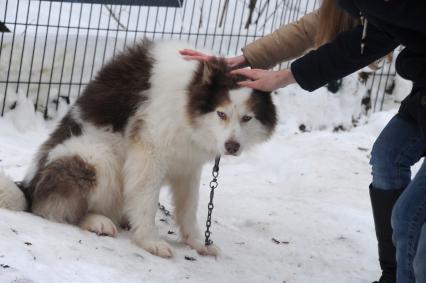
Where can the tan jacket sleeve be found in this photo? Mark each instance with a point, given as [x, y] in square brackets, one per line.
[287, 42]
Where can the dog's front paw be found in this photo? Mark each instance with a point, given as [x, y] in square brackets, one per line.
[99, 224]
[157, 247]
[201, 248]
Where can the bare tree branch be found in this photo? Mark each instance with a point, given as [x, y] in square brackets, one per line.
[252, 5]
[111, 12]
[200, 21]
[270, 16]
[261, 11]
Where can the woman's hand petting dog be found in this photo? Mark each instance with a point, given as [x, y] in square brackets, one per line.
[259, 79]
[232, 62]
[265, 80]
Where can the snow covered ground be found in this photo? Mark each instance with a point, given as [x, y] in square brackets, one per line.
[295, 209]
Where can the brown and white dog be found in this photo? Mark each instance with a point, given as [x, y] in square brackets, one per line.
[148, 119]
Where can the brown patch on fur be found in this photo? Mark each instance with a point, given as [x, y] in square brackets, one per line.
[62, 189]
[66, 129]
[263, 108]
[210, 87]
[116, 92]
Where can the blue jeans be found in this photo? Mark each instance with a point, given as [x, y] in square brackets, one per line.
[420, 259]
[398, 147]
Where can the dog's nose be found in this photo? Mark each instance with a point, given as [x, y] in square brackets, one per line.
[232, 147]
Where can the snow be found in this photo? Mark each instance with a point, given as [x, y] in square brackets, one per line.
[308, 191]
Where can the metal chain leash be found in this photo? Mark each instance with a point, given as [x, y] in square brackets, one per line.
[163, 209]
[213, 186]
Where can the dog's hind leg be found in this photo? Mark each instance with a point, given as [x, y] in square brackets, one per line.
[61, 190]
[143, 177]
[185, 187]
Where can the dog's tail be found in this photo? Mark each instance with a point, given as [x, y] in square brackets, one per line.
[11, 196]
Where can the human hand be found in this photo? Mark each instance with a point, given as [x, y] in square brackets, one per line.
[232, 62]
[265, 80]
[189, 54]
[237, 62]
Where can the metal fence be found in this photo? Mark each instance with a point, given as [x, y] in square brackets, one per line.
[55, 47]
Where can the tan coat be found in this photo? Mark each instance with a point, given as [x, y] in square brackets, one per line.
[288, 42]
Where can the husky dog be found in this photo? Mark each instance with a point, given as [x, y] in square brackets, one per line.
[148, 119]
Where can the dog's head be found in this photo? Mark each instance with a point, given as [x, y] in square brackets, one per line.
[226, 118]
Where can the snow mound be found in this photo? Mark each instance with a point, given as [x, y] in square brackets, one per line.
[11, 197]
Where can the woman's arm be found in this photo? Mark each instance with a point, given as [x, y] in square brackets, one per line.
[287, 42]
[331, 61]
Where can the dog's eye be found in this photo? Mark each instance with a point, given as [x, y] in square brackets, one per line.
[221, 115]
[246, 118]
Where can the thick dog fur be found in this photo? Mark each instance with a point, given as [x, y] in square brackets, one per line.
[148, 119]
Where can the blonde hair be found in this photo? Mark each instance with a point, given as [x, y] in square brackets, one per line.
[332, 21]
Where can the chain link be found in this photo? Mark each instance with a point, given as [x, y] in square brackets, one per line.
[163, 209]
[213, 186]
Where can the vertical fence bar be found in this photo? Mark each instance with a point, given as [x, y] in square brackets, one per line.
[63, 60]
[216, 23]
[145, 30]
[191, 22]
[106, 38]
[85, 49]
[32, 56]
[174, 20]
[199, 23]
[239, 29]
[53, 63]
[33, 53]
[75, 53]
[118, 29]
[128, 23]
[95, 48]
[43, 57]
[137, 24]
[182, 19]
[208, 25]
[228, 49]
[164, 23]
[155, 23]
[23, 44]
[225, 16]
[10, 59]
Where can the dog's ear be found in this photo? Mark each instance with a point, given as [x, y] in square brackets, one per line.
[215, 71]
[207, 72]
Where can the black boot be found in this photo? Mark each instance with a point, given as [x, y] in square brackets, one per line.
[382, 202]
